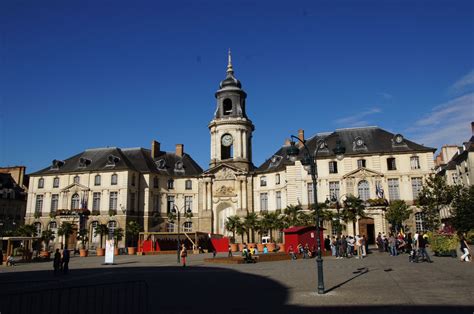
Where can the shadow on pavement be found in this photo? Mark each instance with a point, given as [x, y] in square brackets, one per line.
[115, 289]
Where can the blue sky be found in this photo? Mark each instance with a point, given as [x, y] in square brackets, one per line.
[84, 74]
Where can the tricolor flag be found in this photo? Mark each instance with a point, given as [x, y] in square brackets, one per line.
[379, 190]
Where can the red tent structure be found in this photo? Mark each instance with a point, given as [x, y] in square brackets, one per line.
[303, 235]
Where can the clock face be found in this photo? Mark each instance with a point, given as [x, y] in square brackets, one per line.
[359, 142]
[398, 139]
[227, 140]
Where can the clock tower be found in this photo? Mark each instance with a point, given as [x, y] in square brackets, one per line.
[231, 129]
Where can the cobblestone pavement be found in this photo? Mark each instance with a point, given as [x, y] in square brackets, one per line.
[376, 284]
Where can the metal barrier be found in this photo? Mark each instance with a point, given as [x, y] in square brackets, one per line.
[115, 297]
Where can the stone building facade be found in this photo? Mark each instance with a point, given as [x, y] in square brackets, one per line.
[13, 193]
[116, 185]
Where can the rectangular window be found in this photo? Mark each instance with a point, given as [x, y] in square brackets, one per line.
[156, 203]
[54, 202]
[113, 200]
[156, 182]
[416, 185]
[333, 167]
[97, 180]
[361, 163]
[391, 165]
[393, 190]
[96, 201]
[278, 200]
[419, 222]
[170, 184]
[277, 178]
[40, 183]
[132, 202]
[39, 204]
[56, 183]
[350, 187]
[188, 202]
[113, 179]
[170, 203]
[310, 194]
[263, 181]
[415, 162]
[334, 190]
[263, 201]
[189, 185]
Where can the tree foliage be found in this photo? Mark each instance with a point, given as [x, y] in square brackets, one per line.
[397, 213]
[353, 208]
[462, 209]
[434, 195]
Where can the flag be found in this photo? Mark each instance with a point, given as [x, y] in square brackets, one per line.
[379, 190]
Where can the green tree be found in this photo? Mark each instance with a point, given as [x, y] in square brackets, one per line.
[292, 213]
[27, 230]
[353, 208]
[270, 222]
[133, 229]
[82, 236]
[47, 236]
[434, 195]
[118, 235]
[66, 229]
[240, 229]
[101, 230]
[397, 213]
[231, 225]
[462, 209]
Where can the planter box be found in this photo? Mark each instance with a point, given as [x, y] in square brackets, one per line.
[234, 247]
[131, 250]
[45, 254]
[83, 252]
[100, 252]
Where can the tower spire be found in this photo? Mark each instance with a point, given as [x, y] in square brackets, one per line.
[230, 70]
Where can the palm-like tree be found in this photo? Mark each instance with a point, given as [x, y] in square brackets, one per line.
[270, 222]
[240, 229]
[118, 235]
[101, 230]
[250, 223]
[66, 229]
[353, 209]
[47, 236]
[292, 213]
[231, 224]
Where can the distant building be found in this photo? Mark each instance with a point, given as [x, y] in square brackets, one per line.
[13, 194]
[118, 185]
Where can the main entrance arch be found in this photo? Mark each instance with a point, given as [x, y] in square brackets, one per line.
[367, 228]
[223, 210]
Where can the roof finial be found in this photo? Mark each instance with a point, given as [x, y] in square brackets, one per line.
[229, 64]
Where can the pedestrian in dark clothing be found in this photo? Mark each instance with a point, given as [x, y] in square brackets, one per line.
[422, 243]
[327, 244]
[57, 261]
[230, 251]
[65, 261]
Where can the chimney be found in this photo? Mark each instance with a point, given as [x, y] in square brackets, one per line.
[179, 150]
[472, 127]
[155, 149]
[301, 135]
[287, 142]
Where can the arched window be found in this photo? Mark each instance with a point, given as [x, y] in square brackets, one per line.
[227, 106]
[40, 183]
[188, 226]
[97, 179]
[363, 188]
[113, 179]
[38, 229]
[189, 184]
[75, 202]
[76, 179]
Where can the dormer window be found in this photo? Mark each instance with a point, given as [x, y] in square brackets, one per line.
[112, 160]
[178, 166]
[160, 164]
[76, 180]
[56, 164]
[227, 107]
[275, 161]
[398, 140]
[359, 144]
[84, 162]
[40, 183]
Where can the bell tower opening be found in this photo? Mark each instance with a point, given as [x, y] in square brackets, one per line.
[227, 152]
[227, 107]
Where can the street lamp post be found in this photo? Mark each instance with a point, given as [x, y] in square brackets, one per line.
[309, 163]
[177, 212]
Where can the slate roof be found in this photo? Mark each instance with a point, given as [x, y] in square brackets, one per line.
[137, 159]
[7, 184]
[376, 141]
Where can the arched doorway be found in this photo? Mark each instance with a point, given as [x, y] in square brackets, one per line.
[367, 228]
[223, 211]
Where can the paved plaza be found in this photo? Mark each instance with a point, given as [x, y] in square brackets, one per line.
[156, 284]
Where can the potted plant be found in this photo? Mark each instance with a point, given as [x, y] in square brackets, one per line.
[83, 237]
[46, 237]
[133, 229]
[66, 229]
[101, 230]
[443, 244]
[118, 236]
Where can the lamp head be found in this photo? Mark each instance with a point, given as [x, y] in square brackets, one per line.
[340, 150]
[292, 151]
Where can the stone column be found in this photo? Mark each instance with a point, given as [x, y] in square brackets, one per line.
[244, 195]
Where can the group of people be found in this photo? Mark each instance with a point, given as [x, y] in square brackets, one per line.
[303, 251]
[347, 246]
[61, 261]
[414, 245]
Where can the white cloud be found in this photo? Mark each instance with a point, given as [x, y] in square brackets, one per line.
[358, 119]
[448, 123]
[385, 96]
[463, 84]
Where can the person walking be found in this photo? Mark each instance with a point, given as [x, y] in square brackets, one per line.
[327, 244]
[183, 254]
[65, 261]
[230, 251]
[392, 244]
[422, 243]
[56, 262]
[464, 250]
